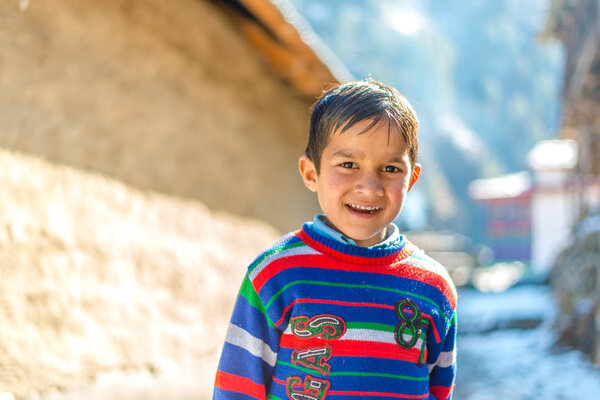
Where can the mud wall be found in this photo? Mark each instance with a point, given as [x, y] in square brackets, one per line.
[125, 280]
[162, 95]
[140, 143]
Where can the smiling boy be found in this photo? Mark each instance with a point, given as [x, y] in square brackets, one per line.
[346, 307]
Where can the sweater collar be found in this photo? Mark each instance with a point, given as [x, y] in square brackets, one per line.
[321, 227]
[394, 250]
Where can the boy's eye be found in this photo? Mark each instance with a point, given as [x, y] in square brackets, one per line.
[391, 168]
[348, 164]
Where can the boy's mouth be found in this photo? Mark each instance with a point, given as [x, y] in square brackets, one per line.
[362, 209]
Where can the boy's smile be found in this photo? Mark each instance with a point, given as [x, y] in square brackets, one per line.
[363, 180]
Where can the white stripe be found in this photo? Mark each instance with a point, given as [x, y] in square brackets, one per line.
[445, 360]
[369, 335]
[239, 337]
[301, 250]
[419, 259]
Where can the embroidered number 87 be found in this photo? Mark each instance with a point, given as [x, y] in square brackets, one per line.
[408, 331]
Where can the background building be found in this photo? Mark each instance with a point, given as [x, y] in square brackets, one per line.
[530, 214]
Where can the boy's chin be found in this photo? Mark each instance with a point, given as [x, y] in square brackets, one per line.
[368, 240]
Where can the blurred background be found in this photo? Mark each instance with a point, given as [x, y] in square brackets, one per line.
[148, 152]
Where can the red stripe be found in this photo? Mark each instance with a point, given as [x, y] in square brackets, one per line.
[352, 304]
[239, 384]
[281, 264]
[441, 392]
[319, 261]
[433, 327]
[355, 348]
[279, 381]
[382, 394]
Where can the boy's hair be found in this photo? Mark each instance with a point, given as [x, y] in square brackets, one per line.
[349, 103]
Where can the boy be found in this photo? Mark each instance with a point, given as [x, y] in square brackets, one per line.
[346, 307]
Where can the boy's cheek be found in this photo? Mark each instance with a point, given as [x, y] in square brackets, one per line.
[337, 183]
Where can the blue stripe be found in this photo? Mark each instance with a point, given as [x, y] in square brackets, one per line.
[254, 322]
[450, 342]
[360, 314]
[347, 277]
[352, 383]
[236, 360]
[220, 394]
[441, 376]
[348, 364]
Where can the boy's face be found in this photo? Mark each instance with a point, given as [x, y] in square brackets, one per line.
[363, 180]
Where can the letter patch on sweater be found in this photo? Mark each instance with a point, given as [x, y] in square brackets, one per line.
[313, 388]
[313, 358]
[324, 325]
[412, 326]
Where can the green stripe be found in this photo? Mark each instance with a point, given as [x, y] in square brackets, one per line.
[423, 337]
[275, 250]
[371, 325]
[353, 373]
[247, 291]
[354, 286]
[273, 397]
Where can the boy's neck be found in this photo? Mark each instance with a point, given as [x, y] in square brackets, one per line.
[322, 225]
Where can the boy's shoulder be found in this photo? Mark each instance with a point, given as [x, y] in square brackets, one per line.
[288, 245]
[418, 258]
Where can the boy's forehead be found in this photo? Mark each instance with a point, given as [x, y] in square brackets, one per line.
[364, 136]
[368, 128]
[389, 154]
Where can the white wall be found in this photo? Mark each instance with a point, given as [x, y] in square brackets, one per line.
[552, 218]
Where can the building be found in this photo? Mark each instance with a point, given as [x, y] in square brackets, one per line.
[530, 214]
[507, 200]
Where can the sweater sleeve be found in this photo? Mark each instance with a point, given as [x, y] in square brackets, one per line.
[442, 371]
[250, 350]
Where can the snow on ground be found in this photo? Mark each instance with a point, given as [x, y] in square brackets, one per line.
[520, 365]
[517, 364]
[482, 311]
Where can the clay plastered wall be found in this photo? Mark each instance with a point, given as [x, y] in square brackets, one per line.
[163, 95]
[97, 277]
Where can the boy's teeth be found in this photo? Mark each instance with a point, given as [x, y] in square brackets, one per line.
[359, 207]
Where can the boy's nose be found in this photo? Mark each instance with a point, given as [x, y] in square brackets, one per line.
[370, 184]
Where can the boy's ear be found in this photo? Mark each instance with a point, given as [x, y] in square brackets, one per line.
[308, 172]
[415, 175]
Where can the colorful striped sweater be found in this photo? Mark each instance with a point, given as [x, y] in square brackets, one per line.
[317, 319]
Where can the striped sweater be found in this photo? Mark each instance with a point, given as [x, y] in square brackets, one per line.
[317, 319]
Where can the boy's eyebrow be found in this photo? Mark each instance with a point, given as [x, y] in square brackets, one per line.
[398, 158]
[343, 153]
[347, 153]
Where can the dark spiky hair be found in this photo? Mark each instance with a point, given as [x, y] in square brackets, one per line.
[343, 106]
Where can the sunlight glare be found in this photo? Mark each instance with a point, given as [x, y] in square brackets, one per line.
[406, 21]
